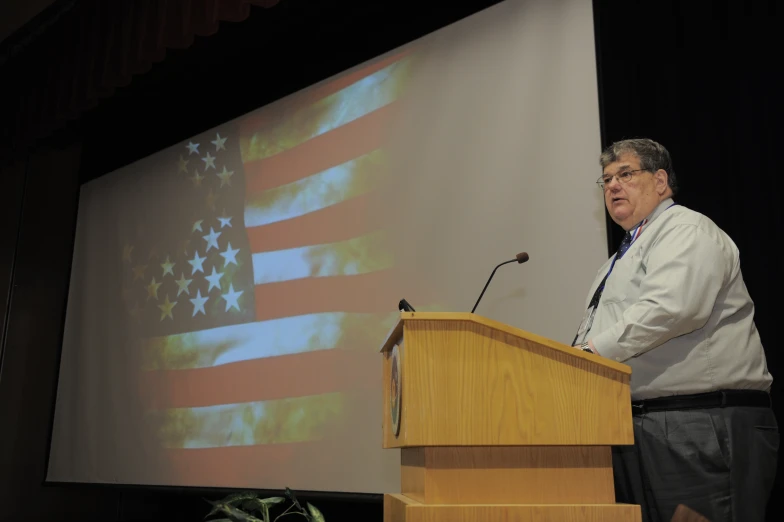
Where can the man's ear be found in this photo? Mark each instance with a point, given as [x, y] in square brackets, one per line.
[662, 181]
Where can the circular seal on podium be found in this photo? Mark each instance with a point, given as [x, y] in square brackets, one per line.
[394, 389]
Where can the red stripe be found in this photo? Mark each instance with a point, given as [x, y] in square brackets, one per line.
[257, 122]
[327, 150]
[340, 222]
[233, 465]
[365, 293]
[270, 378]
[639, 230]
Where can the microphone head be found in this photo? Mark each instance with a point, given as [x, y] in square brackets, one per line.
[522, 257]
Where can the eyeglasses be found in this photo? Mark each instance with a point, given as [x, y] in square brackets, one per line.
[623, 177]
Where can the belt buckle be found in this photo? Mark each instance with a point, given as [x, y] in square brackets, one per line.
[638, 408]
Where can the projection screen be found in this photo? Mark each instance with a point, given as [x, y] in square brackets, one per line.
[229, 294]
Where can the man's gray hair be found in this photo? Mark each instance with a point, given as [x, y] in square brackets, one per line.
[653, 156]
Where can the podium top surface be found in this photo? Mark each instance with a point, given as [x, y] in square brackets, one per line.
[397, 331]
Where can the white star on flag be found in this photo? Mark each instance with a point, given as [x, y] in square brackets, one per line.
[219, 142]
[225, 221]
[229, 256]
[196, 179]
[198, 303]
[168, 267]
[209, 161]
[212, 239]
[182, 284]
[166, 308]
[214, 280]
[231, 298]
[193, 148]
[225, 176]
[197, 226]
[196, 263]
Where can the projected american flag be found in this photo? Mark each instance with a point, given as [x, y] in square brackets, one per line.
[259, 274]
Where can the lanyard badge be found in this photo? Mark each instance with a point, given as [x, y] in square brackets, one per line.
[590, 313]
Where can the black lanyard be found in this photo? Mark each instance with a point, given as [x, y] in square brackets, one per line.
[631, 236]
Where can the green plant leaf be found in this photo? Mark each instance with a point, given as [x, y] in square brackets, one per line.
[236, 498]
[291, 496]
[235, 513]
[231, 500]
[261, 503]
[290, 512]
[315, 514]
[213, 510]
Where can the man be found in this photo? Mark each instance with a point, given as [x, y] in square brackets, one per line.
[673, 306]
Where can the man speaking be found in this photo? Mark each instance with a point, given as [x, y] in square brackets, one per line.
[672, 304]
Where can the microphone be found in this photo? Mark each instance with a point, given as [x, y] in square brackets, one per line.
[403, 306]
[521, 258]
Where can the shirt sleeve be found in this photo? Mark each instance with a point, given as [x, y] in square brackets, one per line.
[685, 271]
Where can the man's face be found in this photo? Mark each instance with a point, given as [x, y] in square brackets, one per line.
[629, 203]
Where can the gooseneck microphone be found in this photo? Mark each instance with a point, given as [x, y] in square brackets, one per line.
[403, 306]
[521, 258]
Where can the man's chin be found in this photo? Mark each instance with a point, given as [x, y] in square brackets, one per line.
[620, 218]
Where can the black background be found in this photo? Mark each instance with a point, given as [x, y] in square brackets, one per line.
[700, 77]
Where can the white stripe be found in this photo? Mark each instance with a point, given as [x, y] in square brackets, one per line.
[638, 230]
[321, 190]
[244, 342]
[351, 257]
[360, 98]
[263, 422]
[344, 106]
[249, 341]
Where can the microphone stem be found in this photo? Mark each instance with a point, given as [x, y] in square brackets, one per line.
[488, 282]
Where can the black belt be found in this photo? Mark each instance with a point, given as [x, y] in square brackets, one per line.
[700, 401]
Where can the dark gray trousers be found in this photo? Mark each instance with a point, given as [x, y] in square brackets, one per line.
[720, 462]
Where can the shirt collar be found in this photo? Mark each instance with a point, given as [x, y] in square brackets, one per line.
[664, 205]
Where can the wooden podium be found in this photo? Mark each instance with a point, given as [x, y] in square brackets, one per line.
[498, 424]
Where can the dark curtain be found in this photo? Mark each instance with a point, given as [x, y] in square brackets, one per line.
[703, 78]
[78, 52]
[13, 179]
[42, 241]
